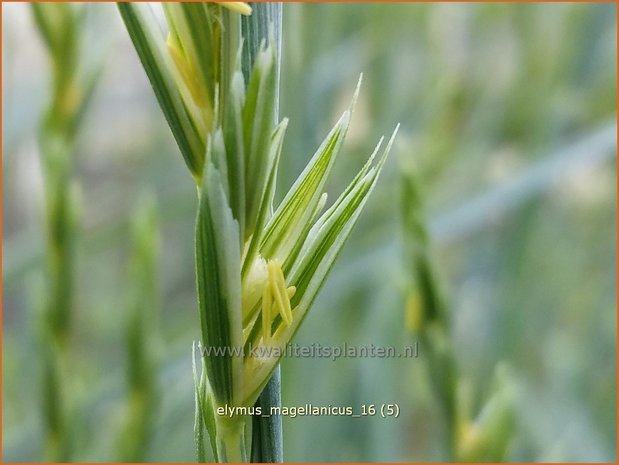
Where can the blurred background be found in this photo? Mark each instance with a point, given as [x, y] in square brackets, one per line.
[508, 122]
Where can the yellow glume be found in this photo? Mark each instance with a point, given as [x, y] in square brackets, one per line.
[239, 7]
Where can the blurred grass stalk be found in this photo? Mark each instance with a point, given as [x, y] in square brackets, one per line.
[59, 25]
[486, 437]
[142, 330]
[258, 269]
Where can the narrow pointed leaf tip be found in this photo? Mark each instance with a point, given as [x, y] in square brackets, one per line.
[355, 94]
[288, 225]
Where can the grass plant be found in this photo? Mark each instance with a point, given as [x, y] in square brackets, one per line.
[258, 267]
[484, 437]
[141, 336]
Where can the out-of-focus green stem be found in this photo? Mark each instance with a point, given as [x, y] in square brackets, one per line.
[427, 315]
[59, 25]
[141, 333]
[487, 437]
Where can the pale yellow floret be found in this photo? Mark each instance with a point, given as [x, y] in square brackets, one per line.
[280, 292]
[191, 87]
[187, 72]
[292, 290]
[275, 299]
[239, 7]
[253, 286]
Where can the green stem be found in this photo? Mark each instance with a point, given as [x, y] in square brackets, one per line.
[231, 441]
[265, 23]
[266, 445]
[434, 323]
[61, 218]
[140, 335]
[56, 440]
[59, 28]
